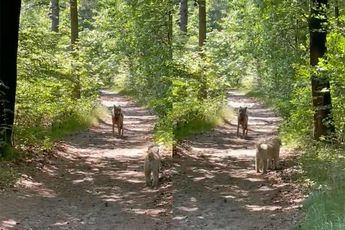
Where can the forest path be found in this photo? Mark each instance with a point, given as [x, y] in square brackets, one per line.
[215, 185]
[93, 181]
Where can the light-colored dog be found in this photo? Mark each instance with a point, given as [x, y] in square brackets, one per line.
[261, 158]
[152, 164]
[273, 152]
[242, 120]
[117, 119]
[267, 154]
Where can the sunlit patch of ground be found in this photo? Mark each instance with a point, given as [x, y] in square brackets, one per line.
[39, 188]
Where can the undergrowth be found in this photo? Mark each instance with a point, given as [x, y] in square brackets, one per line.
[8, 175]
[42, 137]
[203, 124]
[323, 165]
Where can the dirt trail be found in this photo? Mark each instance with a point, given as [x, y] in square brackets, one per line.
[215, 185]
[93, 181]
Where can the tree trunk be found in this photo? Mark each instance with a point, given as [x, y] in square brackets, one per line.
[183, 15]
[55, 14]
[336, 12]
[323, 121]
[202, 38]
[202, 22]
[74, 22]
[74, 38]
[170, 32]
[9, 27]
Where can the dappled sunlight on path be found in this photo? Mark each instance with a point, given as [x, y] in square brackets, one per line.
[94, 180]
[215, 184]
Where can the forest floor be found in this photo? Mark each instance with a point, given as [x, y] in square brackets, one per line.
[95, 181]
[215, 185]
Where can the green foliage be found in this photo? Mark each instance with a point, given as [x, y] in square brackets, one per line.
[325, 209]
[323, 166]
[335, 71]
[266, 44]
[50, 74]
[9, 153]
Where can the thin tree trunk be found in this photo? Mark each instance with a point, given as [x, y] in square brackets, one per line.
[170, 31]
[202, 22]
[74, 39]
[74, 22]
[9, 27]
[202, 38]
[183, 15]
[323, 121]
[55, 14]
[336, 12]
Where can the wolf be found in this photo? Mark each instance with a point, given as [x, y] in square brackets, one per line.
[242, 120]
[117, 119]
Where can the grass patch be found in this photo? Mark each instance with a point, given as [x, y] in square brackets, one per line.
[9, 153]
[325, 209]
[200, 125]
[44, 137]
[163, 132]
[323, 166]
[268, 102]
[8, 175]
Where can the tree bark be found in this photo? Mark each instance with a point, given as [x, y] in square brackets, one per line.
[74, 39]
[323, 121]
[202, 38]
[336, 12]
[9, 27]
[170, 32]
[183, 15]
[74, 22]
[202, 22]
[55, 14]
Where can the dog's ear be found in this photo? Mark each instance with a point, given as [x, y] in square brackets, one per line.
[245, 108]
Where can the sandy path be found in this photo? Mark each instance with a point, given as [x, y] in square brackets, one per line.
[93, 181]
[215, 185]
